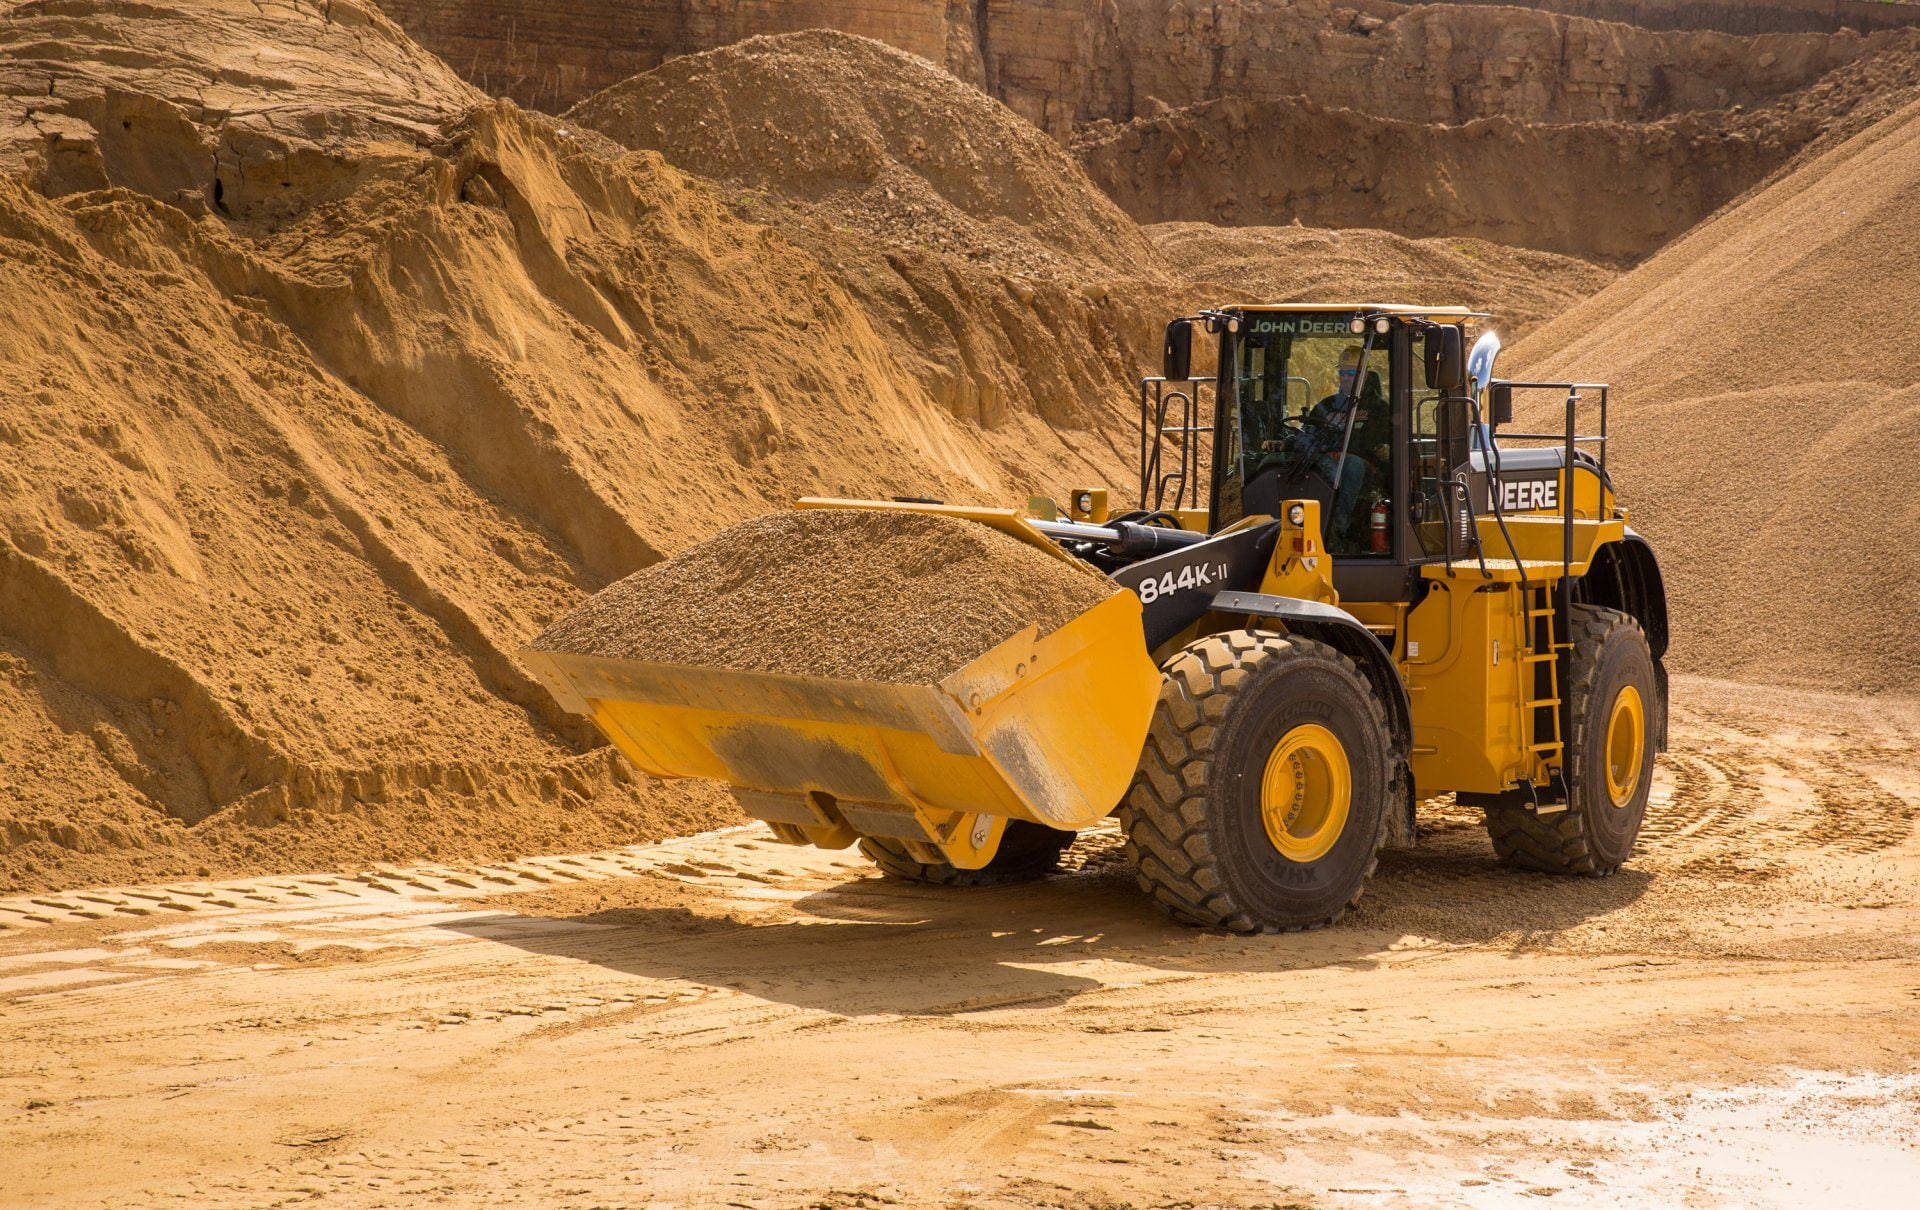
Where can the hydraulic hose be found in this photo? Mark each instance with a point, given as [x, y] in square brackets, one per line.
[1123, 538]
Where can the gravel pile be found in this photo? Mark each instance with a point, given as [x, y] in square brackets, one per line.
[840, 593]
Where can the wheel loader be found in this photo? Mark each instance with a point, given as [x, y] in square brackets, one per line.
[1347, 587]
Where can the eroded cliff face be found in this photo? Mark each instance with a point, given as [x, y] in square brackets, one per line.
[1064, 62]
[1606, 190]
[1060, 63]
[1600, 190]
[551, 55]
[1735, 16]
[1456, 118]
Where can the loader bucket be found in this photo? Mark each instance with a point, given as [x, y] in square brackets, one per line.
[1041, 728]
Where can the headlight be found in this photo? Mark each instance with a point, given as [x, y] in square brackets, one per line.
[1083, 503]
[1297, 515]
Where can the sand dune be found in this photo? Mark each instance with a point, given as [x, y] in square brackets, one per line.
[1770, 416]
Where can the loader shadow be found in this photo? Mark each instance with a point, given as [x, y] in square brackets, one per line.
[868, 946]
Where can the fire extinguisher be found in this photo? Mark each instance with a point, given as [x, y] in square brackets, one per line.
[1378, 526]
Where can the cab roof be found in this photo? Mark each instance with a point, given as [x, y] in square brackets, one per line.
[1437, 314]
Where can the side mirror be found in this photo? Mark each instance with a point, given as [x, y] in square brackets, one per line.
[1480, 361]
[1176, 358]
[1446, 359]
[1500, 404]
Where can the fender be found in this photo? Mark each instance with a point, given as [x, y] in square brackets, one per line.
[1626, 576]
[1645, 594]
[1343, 632]
[1648, 593]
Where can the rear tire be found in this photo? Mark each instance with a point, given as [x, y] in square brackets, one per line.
[1262, 789]
[1028, 851]
[1614, 707]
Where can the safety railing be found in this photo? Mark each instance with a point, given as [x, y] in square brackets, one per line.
[1571, 439]
[1460, 529]
[1176, 424]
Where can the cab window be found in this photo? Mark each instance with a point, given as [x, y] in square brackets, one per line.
[1313, 421]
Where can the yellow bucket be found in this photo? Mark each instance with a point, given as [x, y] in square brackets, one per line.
[1042, 728]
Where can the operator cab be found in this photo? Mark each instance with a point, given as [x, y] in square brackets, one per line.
[1363, 408]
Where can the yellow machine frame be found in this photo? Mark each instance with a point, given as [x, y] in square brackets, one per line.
[1470, 651]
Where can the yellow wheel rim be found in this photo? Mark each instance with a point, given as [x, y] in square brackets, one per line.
[1626, 744]
[1305, 793]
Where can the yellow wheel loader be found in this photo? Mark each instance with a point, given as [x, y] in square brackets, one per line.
[1347, 588]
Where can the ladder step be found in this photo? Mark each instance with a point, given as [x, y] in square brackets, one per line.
[1538, 659]
[1553, 747]
[1539, 613]
[1543, 703]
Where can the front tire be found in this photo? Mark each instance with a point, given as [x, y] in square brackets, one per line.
[1260, 797]
[1027, 852]
[1614, 706]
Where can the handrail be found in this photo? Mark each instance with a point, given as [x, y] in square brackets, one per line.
[1156, 400]
[1553, 386]
[1566, 495]
[1573, 439]
[1471, 527]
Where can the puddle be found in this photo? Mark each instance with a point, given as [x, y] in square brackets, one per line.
[1820, 1139]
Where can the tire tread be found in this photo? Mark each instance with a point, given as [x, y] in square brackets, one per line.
[1558, 843]
[1036, 854]
[1164, 815]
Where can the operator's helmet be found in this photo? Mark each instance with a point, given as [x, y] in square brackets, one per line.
[1349, 366]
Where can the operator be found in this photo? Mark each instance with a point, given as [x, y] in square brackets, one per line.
[1326, 430]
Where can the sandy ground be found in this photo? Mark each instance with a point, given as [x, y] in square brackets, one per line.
[720, 1021]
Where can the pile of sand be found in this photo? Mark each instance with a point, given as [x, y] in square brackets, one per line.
[328, 382]
[840, 593]
[1519, 286]
[1002, 276]
[286, 485]
[1768, 418]
[892, 144]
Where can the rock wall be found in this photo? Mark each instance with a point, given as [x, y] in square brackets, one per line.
[1425, 64]
[550, 55]
[1201, 90]
[1735, 16]
[1598, 190]
[1064, 62]
[1601, 190]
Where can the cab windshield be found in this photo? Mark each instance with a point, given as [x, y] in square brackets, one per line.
[1312, 422]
